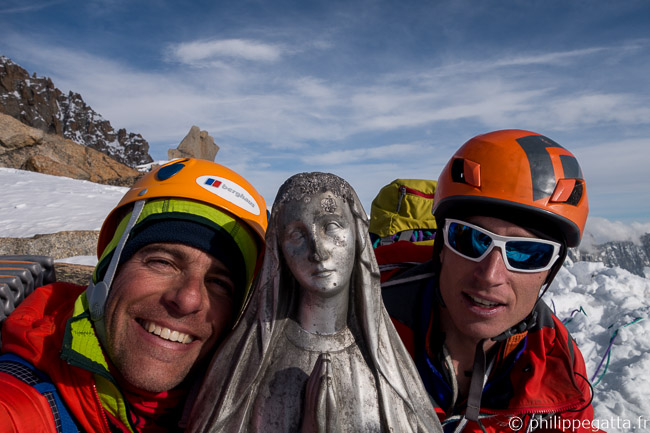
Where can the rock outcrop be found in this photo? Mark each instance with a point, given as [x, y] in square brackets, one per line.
[59, 245]
[631, 256]
[72, 273]
[36, 102]
[28, 148]
[196, 144]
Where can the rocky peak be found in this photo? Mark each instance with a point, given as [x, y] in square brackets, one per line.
[196, 144]
[631, 256]
[36, 102]
[28, 148]
[30, 100]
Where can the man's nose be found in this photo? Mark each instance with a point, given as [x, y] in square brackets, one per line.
[492, 268]
[186, 295]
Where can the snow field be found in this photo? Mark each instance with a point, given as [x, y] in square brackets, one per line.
[613, 307]
[34, 203]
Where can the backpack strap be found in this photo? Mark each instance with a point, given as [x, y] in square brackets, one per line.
[17, 367]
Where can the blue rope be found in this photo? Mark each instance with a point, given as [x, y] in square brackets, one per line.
[554, 310]
[608, 352]
[578, 310]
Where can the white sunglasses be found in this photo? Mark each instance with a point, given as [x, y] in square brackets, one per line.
[519, 254]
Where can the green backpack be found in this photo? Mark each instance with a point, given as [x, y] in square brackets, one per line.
[402, 211]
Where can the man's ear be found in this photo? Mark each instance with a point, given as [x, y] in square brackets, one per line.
[441, 256]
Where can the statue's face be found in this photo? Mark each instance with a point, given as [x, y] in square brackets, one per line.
[317, 238]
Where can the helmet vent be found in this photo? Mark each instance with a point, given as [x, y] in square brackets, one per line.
[466, 171]
[576, 194]
[568, 191]
[168, 171]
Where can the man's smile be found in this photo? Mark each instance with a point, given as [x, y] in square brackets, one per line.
[166, 333]
[482, 302]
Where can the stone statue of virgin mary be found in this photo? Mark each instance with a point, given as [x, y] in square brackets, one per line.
[314, 350]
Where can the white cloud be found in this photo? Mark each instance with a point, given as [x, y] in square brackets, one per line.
[351, 156]
[482, 64]
[490, 99]
[577, 110]
[21, 6]
[600, 230]
[239, 101]
[316, 89]
[618, 159]
[202, 52]
[615, 170]
[552, 58]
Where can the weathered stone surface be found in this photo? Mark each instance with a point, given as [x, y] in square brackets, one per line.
[196, 144]
[58, 245]
[28, 148]
[36, 102]
[71, 273]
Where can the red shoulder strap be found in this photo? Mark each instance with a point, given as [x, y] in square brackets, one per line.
[23, 408]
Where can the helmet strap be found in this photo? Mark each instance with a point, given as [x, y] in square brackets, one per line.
[437, 264]
[524, 325]
[480, 372]
[98, 293]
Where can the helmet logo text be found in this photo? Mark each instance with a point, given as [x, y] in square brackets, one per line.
[229, 191]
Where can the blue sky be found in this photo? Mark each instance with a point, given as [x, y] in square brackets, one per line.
[369, 90]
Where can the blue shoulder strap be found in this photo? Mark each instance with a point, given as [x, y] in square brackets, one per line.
[23, 370]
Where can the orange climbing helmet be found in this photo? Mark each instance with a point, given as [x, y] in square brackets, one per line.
[190, 201]
[199, 180]
[520, 176]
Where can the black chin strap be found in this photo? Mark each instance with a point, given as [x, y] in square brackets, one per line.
[524, 325]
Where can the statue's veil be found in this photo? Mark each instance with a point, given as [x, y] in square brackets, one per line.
[230, 385]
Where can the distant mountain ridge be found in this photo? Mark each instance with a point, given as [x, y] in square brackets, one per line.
[627, 255]
[36, 102]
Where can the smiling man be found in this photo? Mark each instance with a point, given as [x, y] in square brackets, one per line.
[176, 260]
[492, 355]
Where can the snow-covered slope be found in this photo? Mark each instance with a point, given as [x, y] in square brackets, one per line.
[605, 309]
[34, 203]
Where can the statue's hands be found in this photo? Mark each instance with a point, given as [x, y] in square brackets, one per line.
[320, 412]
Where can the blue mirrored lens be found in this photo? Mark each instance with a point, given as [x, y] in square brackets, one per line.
[528, 255]
[468, 241]
[523, 255]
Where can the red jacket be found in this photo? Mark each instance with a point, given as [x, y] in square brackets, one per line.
[539, 377]
[39, 331]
